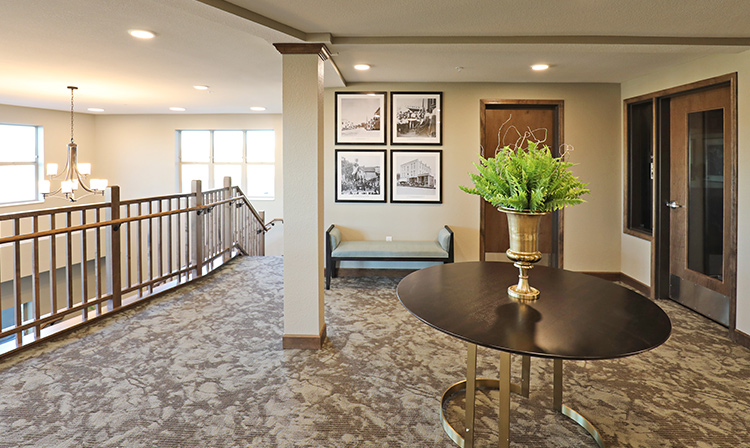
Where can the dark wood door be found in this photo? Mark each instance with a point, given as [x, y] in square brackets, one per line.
[701, 274]
[502, 122]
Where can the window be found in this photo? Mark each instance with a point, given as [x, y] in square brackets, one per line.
[247, 156]
[19, 163]
[640, 175]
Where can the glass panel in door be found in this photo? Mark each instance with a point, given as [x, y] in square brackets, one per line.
[705, 205]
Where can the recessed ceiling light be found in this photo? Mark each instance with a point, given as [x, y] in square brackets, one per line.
[362, 67]
[142, 34]
[95, 109]
[258, 108]
[177, 109]
[200, 87]
[540, 67]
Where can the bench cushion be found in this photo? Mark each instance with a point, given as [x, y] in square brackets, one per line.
[444, 238]
[390, 249]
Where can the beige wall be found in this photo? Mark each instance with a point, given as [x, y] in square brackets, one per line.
[56, 125]
[638, 253]
[592, 125]
[138, 153]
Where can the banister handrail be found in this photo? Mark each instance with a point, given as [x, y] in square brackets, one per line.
[114, 222]
[266, 226]
[52, 210]
[121, 255]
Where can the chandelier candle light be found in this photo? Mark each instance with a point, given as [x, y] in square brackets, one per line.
[74, 175]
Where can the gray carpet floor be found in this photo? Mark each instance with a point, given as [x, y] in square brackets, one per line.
[204, 367]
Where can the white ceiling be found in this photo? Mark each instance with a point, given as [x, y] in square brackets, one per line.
[48, 45]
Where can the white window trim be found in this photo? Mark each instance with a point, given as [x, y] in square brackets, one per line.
[211, 163]
[38, 164]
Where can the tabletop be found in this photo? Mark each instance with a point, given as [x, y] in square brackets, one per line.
[577, 316]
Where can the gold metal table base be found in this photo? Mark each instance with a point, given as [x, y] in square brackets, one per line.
[465, 439]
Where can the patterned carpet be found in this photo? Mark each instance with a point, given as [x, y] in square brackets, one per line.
[203, 367]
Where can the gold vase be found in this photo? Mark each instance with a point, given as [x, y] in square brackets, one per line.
[523, 228]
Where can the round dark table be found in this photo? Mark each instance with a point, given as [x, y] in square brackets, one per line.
[577, 317]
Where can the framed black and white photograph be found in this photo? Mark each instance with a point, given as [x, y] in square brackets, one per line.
[360, 176]
[360, 118]
[416, 118]
[417, 176]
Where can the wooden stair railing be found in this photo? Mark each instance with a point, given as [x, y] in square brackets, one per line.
[69, 266]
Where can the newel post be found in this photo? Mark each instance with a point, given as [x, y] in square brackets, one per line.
[197, 227]
[227, 238]
[114, 280]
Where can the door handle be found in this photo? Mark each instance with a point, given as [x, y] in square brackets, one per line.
[673, 205]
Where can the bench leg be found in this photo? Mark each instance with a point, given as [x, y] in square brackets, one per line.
[328, 277]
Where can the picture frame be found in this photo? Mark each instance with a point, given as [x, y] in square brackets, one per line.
[416, 118]
[417, 176]
[361, 175]
[360, 118]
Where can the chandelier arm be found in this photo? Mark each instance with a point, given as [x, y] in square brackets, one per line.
[83, 185]
[52, 193]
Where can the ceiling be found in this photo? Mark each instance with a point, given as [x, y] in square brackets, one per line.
[48, 45]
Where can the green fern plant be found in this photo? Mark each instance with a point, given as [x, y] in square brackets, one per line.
[529, 179]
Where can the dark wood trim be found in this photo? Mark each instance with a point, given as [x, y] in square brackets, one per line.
[622, 278]
[557, 140]
[610, 276]
[626, 191]
[686, 88]
[741, 338]
[304, 341]
[635, 284]
[659, 247]
[660, 250]
[374, 272]
[733, 193]
[319, 49]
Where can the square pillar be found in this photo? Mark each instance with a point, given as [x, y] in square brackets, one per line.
[304, 320]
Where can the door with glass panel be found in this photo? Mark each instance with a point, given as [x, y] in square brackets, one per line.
[701, 239]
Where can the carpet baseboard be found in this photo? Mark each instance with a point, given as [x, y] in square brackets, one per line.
[741, 338]
[365, 272]
[635, 284]
[611, 276]
[304, 341]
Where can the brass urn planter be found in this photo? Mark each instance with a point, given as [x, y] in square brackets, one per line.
[523, 229]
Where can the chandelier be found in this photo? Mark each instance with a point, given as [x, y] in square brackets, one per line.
[74, 176]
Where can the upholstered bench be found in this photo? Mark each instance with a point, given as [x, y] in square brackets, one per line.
[438, 250]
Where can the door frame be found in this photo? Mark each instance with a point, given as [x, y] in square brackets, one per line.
[558, 107]
[660, 251]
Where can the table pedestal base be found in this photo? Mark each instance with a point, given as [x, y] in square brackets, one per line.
[465, 439]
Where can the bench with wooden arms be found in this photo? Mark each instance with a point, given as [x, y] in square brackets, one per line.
[438, 250]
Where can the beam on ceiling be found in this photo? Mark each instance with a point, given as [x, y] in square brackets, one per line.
[580, 40]
[255, 17]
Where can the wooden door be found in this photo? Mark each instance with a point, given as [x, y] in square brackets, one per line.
[701, 266]
[499, 121]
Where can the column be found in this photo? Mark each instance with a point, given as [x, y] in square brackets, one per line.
[304, 321]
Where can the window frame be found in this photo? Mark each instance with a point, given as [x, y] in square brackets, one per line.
[633, 201]
[211, 163]
[38, 164]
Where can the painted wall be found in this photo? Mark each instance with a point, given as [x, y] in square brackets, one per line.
[56, 125]
[139, 153]
[638, 254]
[136, 152]
[592, 124]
